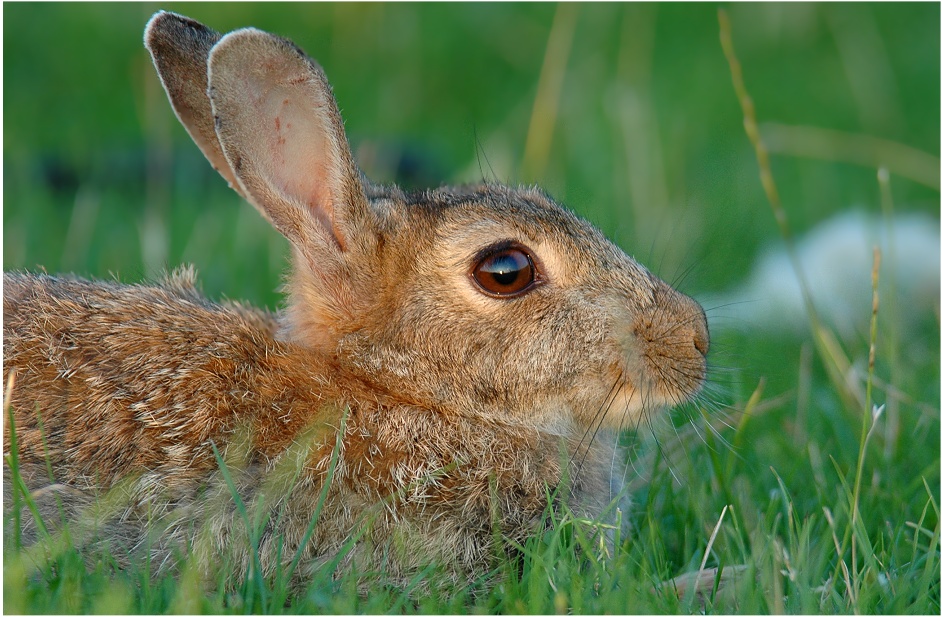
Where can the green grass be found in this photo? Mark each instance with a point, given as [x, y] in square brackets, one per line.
[647, 141]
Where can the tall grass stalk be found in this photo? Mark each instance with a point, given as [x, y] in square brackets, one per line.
[549, 88]
[251, 530]
[892, 313]
[11, 458]
[829, 349]
[870, 416]
[319, 507]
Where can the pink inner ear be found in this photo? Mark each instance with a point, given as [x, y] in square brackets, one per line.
[282, 135]
[303, 159]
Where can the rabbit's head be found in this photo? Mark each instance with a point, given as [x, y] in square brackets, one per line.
[476, 300]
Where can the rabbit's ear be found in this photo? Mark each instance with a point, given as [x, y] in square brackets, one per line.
[179, 47]
[280, 130]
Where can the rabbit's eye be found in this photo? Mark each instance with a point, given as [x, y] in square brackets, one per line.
[505, 272]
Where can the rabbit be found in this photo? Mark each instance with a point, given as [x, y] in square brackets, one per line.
[449, 366]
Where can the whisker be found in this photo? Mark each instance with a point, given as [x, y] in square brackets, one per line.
[596, 421]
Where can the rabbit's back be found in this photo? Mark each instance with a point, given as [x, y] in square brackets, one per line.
[111, 379]
[122, 393]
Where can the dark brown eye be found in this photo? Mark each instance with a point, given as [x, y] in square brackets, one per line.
[504, 272]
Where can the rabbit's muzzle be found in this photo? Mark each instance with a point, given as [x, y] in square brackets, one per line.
[665, 350]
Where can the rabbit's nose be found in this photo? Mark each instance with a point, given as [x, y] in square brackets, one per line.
[677, 326]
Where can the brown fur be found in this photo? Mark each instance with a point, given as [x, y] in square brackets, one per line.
[443, 417]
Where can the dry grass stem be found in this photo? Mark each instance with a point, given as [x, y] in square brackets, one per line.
[835, 360]
[549, 88]
[866, 150]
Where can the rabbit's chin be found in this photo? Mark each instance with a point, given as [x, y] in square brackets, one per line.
[623, 405]
[634, 401]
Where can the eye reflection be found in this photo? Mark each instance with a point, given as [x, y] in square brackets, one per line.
[506, 272]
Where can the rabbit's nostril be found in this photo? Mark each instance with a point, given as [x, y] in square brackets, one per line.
[701, 340]
[701, 331]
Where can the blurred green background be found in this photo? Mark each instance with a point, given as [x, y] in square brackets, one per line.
[626, 113]
[645, 139]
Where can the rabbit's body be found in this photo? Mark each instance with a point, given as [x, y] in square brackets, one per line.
[437, 379]
[118, 401]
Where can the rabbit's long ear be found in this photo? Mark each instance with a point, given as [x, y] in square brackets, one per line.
[179, 47]
[280, 130]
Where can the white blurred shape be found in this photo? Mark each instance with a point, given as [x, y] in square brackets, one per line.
[837, 259]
